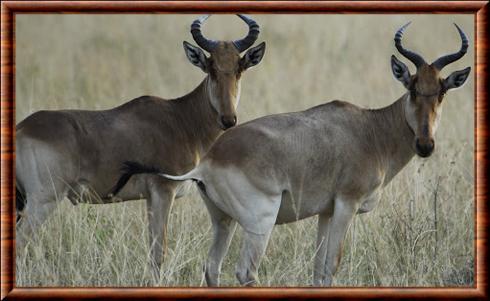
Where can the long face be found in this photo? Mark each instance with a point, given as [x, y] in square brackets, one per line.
[427, 89]
[224, 83]
[423, 109]
[224, 67]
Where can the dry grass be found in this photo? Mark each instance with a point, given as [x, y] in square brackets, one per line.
[421, 233]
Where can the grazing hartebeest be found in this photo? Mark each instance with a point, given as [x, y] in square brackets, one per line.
[329, 160]
[78, 154]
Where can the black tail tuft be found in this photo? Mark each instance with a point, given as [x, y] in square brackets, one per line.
[129, 169]
[20, 201]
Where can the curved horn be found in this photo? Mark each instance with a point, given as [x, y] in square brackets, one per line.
[253, 34]
[447, 59]
[204, 43]
[412, 56]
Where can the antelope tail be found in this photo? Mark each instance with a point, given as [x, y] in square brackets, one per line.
[20, 201]
[178, 178]
[131, 168]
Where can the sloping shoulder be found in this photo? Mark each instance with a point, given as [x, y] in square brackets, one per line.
[335, 104]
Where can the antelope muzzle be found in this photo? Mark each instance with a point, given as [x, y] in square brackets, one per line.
[424, 147]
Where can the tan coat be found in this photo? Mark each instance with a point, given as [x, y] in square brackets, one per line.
[330, 160]
[78, 154]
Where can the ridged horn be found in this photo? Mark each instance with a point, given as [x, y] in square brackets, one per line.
[253, 34]
[412, 56]
[204, 43]
[448, 59]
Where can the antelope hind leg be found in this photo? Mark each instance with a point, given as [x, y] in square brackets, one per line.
[253, 249]
[223, 229]
[35, 213]
[256, 236]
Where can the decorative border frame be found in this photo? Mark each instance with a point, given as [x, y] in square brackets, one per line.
[9, 9]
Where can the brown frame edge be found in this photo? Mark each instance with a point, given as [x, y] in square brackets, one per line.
[7, 113]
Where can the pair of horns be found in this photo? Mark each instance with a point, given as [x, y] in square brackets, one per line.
[241, 45]
[440, 62]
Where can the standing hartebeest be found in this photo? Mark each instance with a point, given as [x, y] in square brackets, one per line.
[330, 160]
[78, 154]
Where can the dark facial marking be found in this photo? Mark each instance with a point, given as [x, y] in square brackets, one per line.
[425, 130]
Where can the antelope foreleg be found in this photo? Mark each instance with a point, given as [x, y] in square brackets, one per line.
[321, 249]
[344, 211]
[158, 208]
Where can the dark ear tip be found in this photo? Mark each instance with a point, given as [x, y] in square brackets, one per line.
[189, 46]
[395, 60]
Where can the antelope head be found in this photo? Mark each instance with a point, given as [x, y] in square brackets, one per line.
[224, 67]
[426, 90]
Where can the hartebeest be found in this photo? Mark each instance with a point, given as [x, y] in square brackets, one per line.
[78, 154]
[330, 160]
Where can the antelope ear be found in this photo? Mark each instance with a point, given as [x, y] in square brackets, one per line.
[253, 56]
[400, 71]
[196, 56]
[457, 78]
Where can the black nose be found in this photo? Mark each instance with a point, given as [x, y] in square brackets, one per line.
[228, 121]
[425, 147]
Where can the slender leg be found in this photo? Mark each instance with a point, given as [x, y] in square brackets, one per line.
[253, 249]
[321, 249]
[257, 219]
[344, 211]
[224, 228]
[255, 210]
[158, 209]
[36, 211]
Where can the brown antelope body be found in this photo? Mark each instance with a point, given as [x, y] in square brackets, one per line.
[78, 154]
[330, 160]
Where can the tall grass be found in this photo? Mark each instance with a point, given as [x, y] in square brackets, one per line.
[420, 234]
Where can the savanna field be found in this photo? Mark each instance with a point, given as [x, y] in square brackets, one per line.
[420, 234]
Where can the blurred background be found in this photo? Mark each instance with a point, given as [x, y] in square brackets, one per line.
[421, 234]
